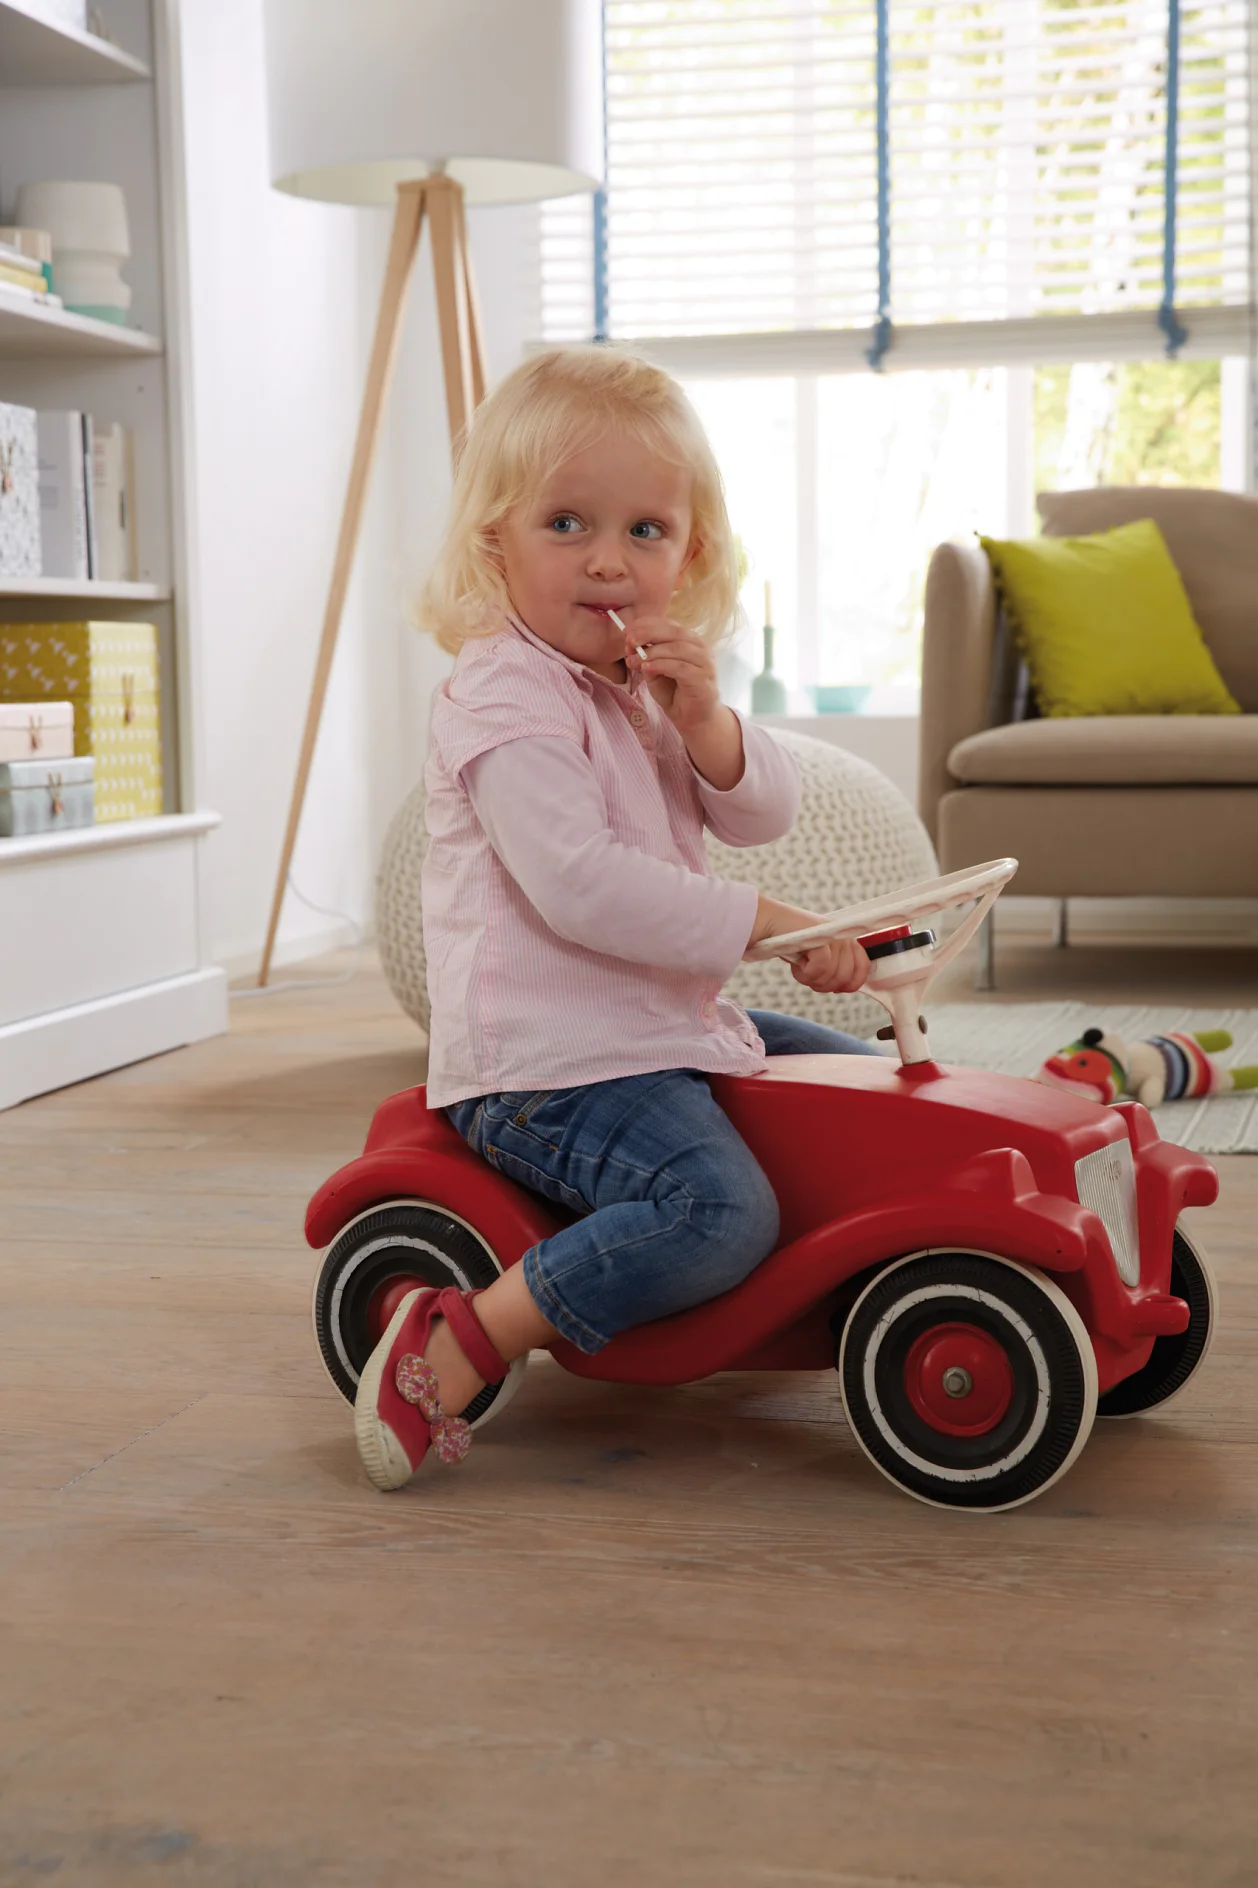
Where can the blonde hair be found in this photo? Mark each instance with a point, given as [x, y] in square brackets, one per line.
[553, 406]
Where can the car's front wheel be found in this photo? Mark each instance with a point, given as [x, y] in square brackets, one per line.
[968, 1380]
[368, 1270]
[1173, 1360]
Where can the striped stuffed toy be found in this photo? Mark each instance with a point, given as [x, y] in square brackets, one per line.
[1173, 1067]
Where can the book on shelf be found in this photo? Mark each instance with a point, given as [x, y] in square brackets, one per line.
[112, 486]
[30, 272]
[43, 297]
[22, 278]
[20, 547]
[87, 510]
[63, 496]
[27, 249]
[89, 494]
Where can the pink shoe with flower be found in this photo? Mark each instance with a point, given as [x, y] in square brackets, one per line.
[397, 1413]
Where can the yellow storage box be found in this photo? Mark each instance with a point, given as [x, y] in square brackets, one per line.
[109, 672]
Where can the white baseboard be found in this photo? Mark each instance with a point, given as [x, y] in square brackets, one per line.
[57, 1048]
[243, 965]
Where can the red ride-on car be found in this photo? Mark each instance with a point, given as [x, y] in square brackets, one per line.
[989, 1262]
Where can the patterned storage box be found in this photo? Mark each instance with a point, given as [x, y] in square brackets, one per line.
[20, 548]
[109, 672]
[44, 796]
[36, 730]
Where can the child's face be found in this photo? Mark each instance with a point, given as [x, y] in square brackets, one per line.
[608, 529]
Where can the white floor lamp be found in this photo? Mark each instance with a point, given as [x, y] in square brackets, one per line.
[425, 104]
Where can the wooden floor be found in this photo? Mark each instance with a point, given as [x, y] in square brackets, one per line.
[640, 1638]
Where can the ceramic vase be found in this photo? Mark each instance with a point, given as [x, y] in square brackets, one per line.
[90, 241]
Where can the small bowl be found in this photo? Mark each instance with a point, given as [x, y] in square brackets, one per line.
[831, 699]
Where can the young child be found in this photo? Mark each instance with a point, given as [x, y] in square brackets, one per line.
[576, 940]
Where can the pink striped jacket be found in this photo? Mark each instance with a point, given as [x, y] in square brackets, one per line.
[572, 928]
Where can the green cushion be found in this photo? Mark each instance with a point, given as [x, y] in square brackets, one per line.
[1105, 626]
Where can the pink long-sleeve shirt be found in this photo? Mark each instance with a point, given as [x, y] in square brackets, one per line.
[572, 927]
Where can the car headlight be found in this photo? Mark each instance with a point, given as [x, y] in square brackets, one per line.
[1106, 1182]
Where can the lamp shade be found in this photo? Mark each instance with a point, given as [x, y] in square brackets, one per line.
[505, 95]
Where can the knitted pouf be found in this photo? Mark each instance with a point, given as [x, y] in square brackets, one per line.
[856, 837]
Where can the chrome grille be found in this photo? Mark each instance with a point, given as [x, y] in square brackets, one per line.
[1106, 1180]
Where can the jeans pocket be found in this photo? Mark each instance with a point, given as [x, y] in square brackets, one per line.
[514, 1108]
[527, 1173]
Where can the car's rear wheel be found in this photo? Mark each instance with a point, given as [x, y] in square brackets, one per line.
[968, 1380]
[368, 1270]
[1173, 1360]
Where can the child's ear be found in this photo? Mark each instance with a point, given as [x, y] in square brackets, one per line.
[692, 551]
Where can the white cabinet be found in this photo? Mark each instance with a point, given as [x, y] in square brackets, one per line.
[100, 959]
[101, 946]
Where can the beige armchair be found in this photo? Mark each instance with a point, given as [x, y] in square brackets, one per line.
[1105, 806]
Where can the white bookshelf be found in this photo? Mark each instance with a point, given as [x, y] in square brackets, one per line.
[78, 589]
[28, 326]
[104, 959]
[34, 51]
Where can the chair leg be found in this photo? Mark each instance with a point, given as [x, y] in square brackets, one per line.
[985, 975]
[1061, 933]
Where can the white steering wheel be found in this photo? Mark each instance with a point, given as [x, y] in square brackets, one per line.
[899, 981]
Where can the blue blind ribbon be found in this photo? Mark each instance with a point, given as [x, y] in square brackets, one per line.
[600, 265]
[1176, 334]
[881, 340]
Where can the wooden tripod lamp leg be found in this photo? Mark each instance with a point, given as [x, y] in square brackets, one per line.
[408, 220]
[474, 330]
[445, 212]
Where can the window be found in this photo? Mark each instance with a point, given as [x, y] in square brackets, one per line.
[1129, 423]
[841, 485]
[1038, 195]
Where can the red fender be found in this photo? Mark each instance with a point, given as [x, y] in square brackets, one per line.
[414, 1153]
[1183, 1178]
[508, 1217]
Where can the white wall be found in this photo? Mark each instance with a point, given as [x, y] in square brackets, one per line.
[283, 297]
[413, 479]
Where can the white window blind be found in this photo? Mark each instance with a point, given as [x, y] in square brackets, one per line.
[1027, 153]
[568, 269]
[1028, 149]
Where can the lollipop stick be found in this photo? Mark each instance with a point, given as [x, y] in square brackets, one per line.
[620, 626]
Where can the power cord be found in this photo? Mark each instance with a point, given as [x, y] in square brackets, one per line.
[313, 983]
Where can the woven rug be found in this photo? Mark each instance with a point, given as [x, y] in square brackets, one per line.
[1014, 1038]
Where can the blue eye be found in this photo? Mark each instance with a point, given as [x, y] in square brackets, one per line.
[645, 528]
[564, 524]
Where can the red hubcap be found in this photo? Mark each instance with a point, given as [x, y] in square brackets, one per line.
[958, 1379]
[384, 1301]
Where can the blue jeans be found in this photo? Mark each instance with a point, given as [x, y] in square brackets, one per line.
[675, 1206]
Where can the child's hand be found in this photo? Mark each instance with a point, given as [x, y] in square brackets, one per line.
[679, 669]
[837, 964]
[833, 965]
